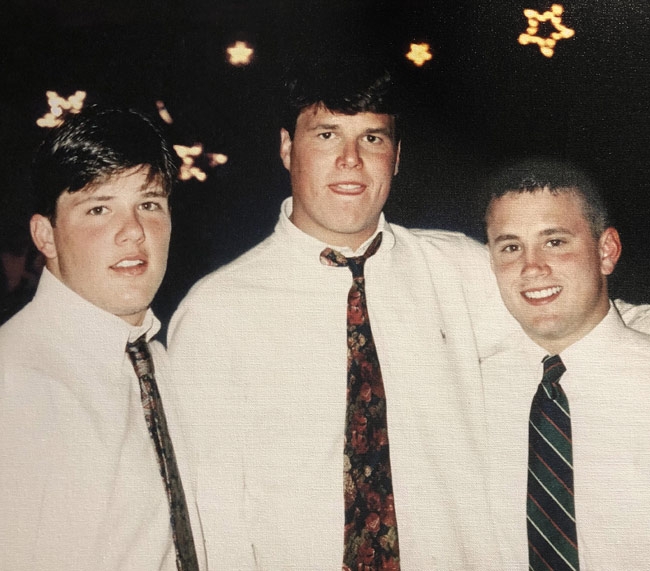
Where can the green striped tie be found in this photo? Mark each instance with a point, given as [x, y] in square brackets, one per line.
[552, 537]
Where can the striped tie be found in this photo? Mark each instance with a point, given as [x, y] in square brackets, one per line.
[552, 537]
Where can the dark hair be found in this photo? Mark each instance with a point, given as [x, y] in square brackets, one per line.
[349, 85]
[93, 145]
[555, 176]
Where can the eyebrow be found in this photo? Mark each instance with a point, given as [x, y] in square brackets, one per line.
[545, 232]
[369, 131]
[144, 192]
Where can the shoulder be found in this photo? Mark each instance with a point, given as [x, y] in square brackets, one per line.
[453, 251]
[629, 340]
[216, 295]
[445, 240]
[17, 333]
[615, 344]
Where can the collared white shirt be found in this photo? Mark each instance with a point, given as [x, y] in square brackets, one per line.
[607, 383]
[258, 349]
[80, 486]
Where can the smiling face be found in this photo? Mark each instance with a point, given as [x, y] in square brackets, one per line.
[109, 242]
[550, 269]
[341, 170]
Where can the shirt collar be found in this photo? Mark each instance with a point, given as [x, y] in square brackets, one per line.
[83, 324]
[598, 340]
[313, 247]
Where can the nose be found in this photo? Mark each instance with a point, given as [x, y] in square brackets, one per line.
[534, 264]
[349, 156]
[130, 229]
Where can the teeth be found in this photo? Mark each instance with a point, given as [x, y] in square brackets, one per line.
[349, 186]
[540, 294]
[129, 263]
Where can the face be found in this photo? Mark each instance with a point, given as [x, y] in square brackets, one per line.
[550, 269]
[341, 170]
[110, 242]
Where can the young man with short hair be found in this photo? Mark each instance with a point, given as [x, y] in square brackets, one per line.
[83, 435]
[579, 441]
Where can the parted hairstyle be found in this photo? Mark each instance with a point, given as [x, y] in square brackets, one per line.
[94, 145]
[556, 176]
[349, 85]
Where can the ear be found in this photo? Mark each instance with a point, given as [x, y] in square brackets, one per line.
[399, 148]
[609, 248]
[285, 148]
[43, 235]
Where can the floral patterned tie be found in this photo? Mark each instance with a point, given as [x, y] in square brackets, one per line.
[370, 538]
[154, 415]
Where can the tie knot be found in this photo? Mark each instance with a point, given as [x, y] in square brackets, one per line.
[553, 369]
[140, 356]
[331, 257]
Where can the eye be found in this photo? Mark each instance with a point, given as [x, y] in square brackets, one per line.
[509, 248]
[555, 243]
[97, 210]
[326, 135]
[374, 139]
[150, 206]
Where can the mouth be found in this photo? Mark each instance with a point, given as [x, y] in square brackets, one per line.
[542, 295]
[130, 266]
[348, 188]
[128, 263]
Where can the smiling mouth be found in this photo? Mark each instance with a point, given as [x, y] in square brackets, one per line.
[541, 294]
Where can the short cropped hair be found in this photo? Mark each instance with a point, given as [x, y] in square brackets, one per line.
[348, 85]
[93, 145]
[555, 176]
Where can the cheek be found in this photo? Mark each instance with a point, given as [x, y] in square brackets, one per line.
[506, 273]
[383, 167]
[160, 233]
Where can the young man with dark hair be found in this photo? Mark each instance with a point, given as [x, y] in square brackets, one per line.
[293, 466]
[579, 441]
[84, 439]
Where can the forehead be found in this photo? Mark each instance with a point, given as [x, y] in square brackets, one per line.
[318, 115]
[135, 180]
[538, 208]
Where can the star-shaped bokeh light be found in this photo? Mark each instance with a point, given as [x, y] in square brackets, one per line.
[240, 53]
[163, 113]
[554, 16]
[419, 54]
[59, 107]
[189, 155]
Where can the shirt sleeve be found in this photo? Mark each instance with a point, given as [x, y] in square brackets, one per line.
[635, 316]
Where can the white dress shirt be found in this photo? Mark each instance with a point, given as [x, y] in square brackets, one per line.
[80, 486]
[607, 383]
[259, 350]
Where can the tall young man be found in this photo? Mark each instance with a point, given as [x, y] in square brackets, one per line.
[296, 469]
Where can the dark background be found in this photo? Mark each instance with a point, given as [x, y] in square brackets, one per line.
[483, 99]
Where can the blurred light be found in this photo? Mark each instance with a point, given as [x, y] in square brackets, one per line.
[59, 107]
[189, 156]
[240, 53]
[554, 16]
[164, 114]
[216, 159]
[419, 54]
